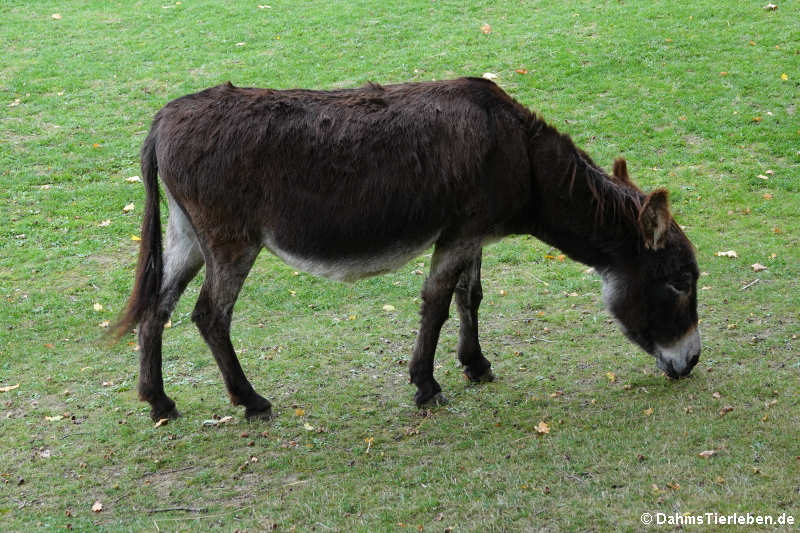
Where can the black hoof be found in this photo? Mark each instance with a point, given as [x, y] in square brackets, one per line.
[435, 401]
[258, 408]
[476, 377]
[164, 410]
[259, 414]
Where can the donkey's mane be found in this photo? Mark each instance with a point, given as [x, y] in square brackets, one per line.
[613, 200]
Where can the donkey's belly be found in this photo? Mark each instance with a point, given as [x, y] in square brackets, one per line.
[352, 267]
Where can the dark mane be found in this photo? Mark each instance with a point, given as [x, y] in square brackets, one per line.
[613, 202]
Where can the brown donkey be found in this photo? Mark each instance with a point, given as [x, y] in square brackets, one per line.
[353, 183]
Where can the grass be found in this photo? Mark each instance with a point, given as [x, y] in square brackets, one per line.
[692, 95]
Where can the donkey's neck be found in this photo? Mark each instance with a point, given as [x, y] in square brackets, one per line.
[579, 209]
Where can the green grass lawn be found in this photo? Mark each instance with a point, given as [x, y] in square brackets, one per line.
[701, 97]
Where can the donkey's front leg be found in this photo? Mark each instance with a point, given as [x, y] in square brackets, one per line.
[468, 298]
[446, 267]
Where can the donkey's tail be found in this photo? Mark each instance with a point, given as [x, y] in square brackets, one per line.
[150, 267]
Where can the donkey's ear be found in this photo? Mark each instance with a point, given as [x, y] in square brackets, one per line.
[620, 173]
[621, 170]
[654, 219]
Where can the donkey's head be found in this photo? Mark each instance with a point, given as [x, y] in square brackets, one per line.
[653, 295]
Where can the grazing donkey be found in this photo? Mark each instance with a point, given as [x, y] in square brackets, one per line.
[353, 183]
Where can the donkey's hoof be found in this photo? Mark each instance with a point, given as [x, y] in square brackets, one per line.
[168, 411]
[482, 378]
[259, 408]
[259, 414]
[434, 401]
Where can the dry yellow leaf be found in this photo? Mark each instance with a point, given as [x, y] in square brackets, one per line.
[135, 238]
[97, 307]
[542, 428]
[730, 253]
[9, 388]
[55, 418]
[161, 422]
[299, 412]
[648, 411]
[97, 507]
[757, 267]
[128, 208]
[56, 16]
[612, 377]
[486, 29]
[707, 453]
[784, 76]
[133, 179]
[105, 223]
[388, 307]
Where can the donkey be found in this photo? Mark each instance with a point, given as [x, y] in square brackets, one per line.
[353, 183]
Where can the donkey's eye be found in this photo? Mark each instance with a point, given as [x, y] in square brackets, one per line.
[678, 287]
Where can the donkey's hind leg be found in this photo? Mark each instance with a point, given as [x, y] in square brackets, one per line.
[468, 298]
[182, 261]
[227, 267]
[447, 265]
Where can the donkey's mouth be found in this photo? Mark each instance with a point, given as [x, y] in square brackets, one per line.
[668, 365]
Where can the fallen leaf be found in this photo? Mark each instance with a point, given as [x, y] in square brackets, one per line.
[542, 428]
[770, 7]
[612, 377]
[308, 427]
[128, 208]
[503, 292]
[104, 324]
[757, 267]
[756, 119]
[97, 507]
[98, 307]
[707, 453]
[716, 395]
[486, 29]
[729, 253]
[264, 7]
[673, 486]
[96, 145]
[55, 418]
[648, 411]
[161, 422]
[9, 388]
[725, 410]
[168, 324]
[388, 307]
[762, 177]
[299, 412]
[521, 71]
[105, 223]
[134, 179]
[56, 16]
[767, 196]
[489, 76]
[135, 238]
[784, 76]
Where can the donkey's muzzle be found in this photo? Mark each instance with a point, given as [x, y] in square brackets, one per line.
[679, 358]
